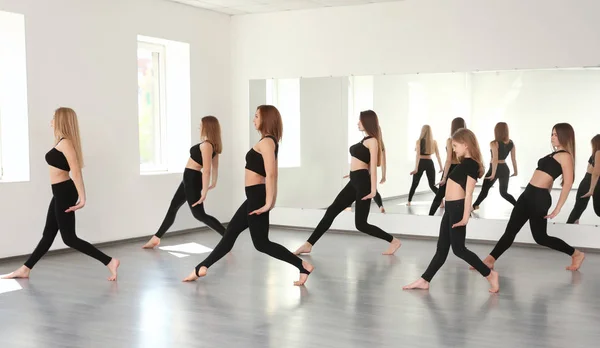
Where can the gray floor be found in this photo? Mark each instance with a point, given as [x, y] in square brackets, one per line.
[352, 299]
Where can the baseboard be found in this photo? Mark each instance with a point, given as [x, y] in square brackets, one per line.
[430, 238]
[113, 243]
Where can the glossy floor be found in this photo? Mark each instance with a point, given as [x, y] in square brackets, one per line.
[352, 299]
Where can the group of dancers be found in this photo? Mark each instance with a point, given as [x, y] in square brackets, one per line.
[463, 168]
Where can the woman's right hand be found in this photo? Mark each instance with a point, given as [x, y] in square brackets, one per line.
[413, 172]
[442, 182]
[491, 177]
[202, 198]
[589, 194]
[345, 176]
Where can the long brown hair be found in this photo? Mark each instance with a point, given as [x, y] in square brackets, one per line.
[595, 144]
[501, 132]
[465, 136]
[270, 121]
[566, 138]
[457, 124]
[66, 126]
[370, 123]
[427, 134]
[211, 131]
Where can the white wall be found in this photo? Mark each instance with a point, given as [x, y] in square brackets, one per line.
[408, 37]
[82, 54]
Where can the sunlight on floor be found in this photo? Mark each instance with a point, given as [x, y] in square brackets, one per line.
[7, 285]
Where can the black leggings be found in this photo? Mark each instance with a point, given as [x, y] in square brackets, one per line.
[378, 200]
[190, 189]
[259, 231]
[581, 203]
[425, 165]
[532, 205]
[64, 196]
[358, 187]
[456, 237]
[437, 200]
[502, 175]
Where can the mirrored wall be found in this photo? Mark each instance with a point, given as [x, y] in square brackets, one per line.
[320, 118]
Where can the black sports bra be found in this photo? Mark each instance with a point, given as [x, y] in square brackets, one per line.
[57, 159]
[255, 161]
[360, 151]
[196, 153]
[504, 149]
[468, 167]
[549, 165]
[592, 160]
[422, 144]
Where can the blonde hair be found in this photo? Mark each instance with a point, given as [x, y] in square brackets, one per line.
[427, 134]
[67, 127]
[211, 132]
[465, 136]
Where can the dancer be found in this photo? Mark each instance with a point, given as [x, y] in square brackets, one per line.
[451, 163]
[588, 186]
[261, 194]
[68, 196]
[459, 195]
[202, 165]
[424, 149]
[500, 148]
[535, 201]
[361, 188]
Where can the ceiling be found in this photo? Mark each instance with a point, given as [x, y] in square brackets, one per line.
[238, 7]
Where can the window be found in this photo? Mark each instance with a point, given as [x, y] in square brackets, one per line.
[14, 127]
[285, 95]
[164, 110]
[360, 98]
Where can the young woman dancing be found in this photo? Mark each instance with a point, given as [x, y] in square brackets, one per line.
[535, 201]
[261, 194]
[202, 165]
[459, 195]
[362, 187]
[451, 163]
[68, 196]
[500, 148]
[425, 147]
[589, 185]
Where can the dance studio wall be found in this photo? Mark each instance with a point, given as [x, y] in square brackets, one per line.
[401, 37]
[82, 54]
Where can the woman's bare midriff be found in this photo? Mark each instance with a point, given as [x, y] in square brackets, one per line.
[590, 169]
[425, 156]
[454, 191]
[541, 180]
[251, 178]
[58, 175]
[193, 165]
[356, 164]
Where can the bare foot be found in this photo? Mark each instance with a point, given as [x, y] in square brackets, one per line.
[494, 282]
[193, 276]
[408, 204]
[304, 276]
[577, 222]
[306, 248]
[112, 267]
[152, 243]
[382, 209]
[420, 284]
[488, 261]
[22, 272]
[394, 245]
[442, 204]
[578, 258]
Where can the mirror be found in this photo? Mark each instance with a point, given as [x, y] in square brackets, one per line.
[320, 118]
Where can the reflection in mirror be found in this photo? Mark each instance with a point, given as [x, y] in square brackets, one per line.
[511, 112]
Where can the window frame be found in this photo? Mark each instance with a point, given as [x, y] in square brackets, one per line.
[272, 91]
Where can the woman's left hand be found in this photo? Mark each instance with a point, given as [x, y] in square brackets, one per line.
[382, 180]
[462, 222]
[77, 206]
[265, 208]
[553, 214]
[369, 196]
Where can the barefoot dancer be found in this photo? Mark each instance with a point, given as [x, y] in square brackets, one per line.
[361, 188]
[459, 195]
[534, 202]
[261, 194]
[500, 148]
[451, 162]
[65, 157]
[425, 147]
[201, 166]
[589, 185]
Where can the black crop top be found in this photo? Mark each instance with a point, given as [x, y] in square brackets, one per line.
[504, 149]
[549, 165]
[57, 159]
[255, 161]
[196, 153]
[592, 160]
[468, 167]
[360, 151]
[423, 151]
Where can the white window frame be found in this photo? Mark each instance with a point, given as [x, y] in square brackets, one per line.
[160, 114]
[272, 98]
